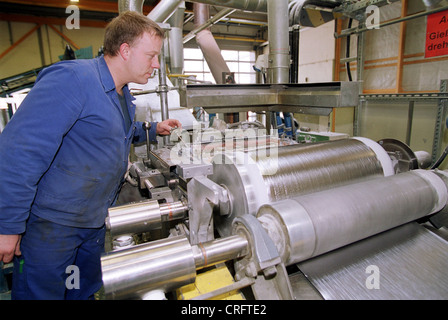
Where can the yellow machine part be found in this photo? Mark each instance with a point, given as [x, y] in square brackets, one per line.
[209, 281]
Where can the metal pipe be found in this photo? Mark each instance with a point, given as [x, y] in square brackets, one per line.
[216, 18]
[176, 53]
[130, 5]
[317, 223]
[208, 45]
[279, 60]
[348, 32]
[246, 5]
[164, 10]
[163, 87]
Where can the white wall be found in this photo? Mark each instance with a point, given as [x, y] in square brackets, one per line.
[316, 64]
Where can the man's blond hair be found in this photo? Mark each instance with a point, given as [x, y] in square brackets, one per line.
[127, 28]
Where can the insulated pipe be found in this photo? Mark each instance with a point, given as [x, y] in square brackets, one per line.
[310, 225]
[278, 26]
[164, 265]
[208, 45]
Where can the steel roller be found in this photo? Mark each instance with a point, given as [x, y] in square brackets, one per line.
[268, 175]
[310, 225]
[163, 265]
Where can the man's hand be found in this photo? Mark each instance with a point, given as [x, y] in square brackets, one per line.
[164, 127]
[9, 246]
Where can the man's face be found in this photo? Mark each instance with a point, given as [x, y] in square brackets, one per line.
[144, 57]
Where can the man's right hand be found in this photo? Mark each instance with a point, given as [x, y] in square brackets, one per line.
[9, 246]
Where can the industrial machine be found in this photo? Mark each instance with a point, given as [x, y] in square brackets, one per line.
[349, 218]
[289, 221]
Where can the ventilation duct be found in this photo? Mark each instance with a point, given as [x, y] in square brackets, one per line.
[208, 45]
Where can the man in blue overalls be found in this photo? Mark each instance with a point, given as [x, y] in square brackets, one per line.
[63, 157]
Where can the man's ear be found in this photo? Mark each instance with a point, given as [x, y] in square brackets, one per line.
[124, 51]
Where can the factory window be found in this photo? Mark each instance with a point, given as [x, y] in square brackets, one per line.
[240, 62]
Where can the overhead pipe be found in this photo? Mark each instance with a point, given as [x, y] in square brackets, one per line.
[164, 10]
[208, 45]
[216, 18]
[161, 12]
[246, 5]
[130, 5]
[176, 52]
[278, 26]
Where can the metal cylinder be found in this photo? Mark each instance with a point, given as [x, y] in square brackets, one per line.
[208, 44]
[163, 10]
[176, 53]
[130, 5]
[246, 5]
[165, 264]
[313, 224]
[173, 210]
[278, 33]
[142, 216]
[269, 175]
[219, 250]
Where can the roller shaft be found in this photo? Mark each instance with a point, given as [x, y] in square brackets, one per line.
[219, 250]
[143, 216]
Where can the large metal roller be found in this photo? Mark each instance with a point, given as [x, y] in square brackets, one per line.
[163, 265]
[269, 175]
[310, 225]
